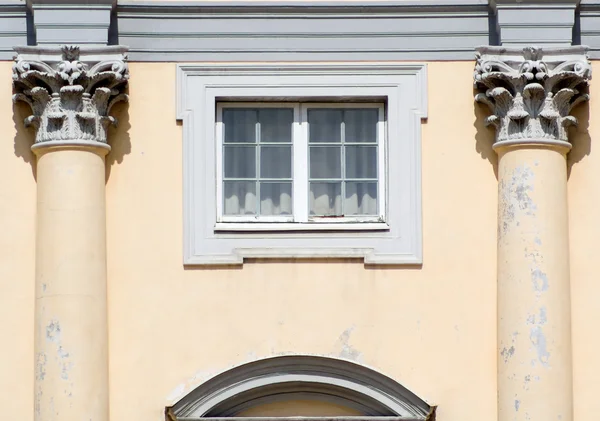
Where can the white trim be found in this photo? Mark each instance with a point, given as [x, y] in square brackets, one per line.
[219, 160]
[381, 157]
[401, 85]
[300, 164]
[294, 226]
[334, 380]
[300, 172]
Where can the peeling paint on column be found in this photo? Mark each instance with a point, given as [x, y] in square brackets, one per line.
[514, 197]
[53, 335]
[538, 340]
[543, 318]
[65, 364]
[37, 401]
[526, 382]
[53, 331]
[539, 280]
[522, 183]
[40, 366]
[507, 353]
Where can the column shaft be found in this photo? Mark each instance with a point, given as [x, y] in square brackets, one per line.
[531, 92]
[534, 323]
[71, 348]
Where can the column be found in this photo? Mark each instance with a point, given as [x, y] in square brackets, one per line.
[531, 92]
[70, 92]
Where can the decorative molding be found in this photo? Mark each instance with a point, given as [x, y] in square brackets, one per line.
[589, 26]
[13, 26]
[72, 21]
[531, 91]
[404, 88]
[545, 23]
[341, 382]
[70, 91]
[305, 30]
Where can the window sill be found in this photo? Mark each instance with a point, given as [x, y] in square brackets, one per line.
[287, 227]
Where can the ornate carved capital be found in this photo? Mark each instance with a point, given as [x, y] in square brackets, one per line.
[531, 91]
[70, 91]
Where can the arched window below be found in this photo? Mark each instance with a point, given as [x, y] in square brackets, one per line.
[298, 388]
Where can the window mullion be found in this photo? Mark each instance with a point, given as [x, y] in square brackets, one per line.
[300, 164]
[219, 161]
[257, 135]
[382, 165]
[343, 162]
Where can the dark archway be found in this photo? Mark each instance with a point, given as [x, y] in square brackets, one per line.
[284, 378]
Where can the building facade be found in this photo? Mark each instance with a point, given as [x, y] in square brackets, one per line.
[334, 210]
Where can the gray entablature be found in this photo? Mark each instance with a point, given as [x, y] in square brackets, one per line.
[589, 31]
[13, 27]
[305, 30]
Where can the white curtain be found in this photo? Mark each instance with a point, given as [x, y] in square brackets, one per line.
[343, 177]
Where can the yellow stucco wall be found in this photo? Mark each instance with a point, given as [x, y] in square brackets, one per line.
[17, 255]
[584, 230]
[432, 328]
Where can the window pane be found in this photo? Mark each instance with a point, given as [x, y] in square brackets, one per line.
[239, 198]
[276, 124]
[325, 162]
[361, 199]
[240, 162]
[325, 125]
[240, 125]
[361, 162]
[361, 125]
[275, 198]
[276, 161]
[326, 199]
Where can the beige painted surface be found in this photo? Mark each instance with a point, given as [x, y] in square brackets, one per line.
[17, 254]
[584, 211]
[71, 350]
[299, 408]
[433, 329]
[534, 315]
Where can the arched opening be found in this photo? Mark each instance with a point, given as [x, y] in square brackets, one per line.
[301, 387]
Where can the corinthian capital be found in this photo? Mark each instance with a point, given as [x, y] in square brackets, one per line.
[531, 91]
[70, 91]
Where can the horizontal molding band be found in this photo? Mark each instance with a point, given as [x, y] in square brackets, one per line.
[13, 27]
[207, 30]
[589, 22]
[303, 30]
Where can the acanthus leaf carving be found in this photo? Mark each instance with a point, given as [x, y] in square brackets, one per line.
[532, 91]
[70, 90]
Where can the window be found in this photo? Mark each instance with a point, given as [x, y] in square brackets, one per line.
[315, 163]
[301, 160]
[300, 387]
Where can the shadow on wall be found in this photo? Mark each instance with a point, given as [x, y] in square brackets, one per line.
[118, 137]
[580, 137]
[484, 136]
[24, 137]
[305, 261]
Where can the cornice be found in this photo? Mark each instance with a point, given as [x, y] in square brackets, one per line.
[531, 91]
[70, 91]
[302, 30]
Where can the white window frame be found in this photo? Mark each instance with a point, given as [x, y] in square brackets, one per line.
[243, 223]
[401, 86]
[300, 177]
